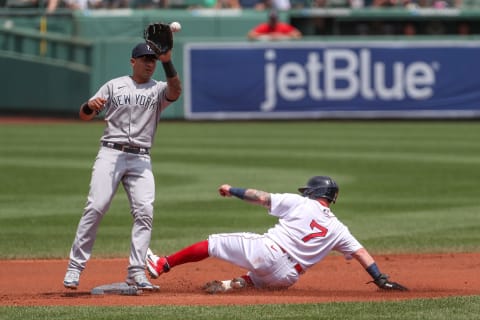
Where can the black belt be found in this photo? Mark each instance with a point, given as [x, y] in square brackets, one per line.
[125, 148]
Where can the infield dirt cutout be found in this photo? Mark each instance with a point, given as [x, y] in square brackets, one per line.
[39, 282]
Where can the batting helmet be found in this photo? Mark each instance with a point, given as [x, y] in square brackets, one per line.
[320, 187]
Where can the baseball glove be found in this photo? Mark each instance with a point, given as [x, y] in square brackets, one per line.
[159, 37]
[383, 283]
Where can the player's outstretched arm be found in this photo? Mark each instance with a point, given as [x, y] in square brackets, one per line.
[174, 85]
[174, 88]
[380, 279]
[254, 196]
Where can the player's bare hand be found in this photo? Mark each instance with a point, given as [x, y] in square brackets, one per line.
[97, 103]
[224, 190]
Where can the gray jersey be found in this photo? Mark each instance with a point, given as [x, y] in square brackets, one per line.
[132, 110]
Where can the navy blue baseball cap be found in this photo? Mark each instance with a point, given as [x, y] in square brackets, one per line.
[142, 49]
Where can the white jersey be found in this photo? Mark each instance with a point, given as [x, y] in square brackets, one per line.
[132, 110]
[307, 230]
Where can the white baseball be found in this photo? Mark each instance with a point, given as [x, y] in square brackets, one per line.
[175, 26]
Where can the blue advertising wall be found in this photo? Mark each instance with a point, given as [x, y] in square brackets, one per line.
[372, 79]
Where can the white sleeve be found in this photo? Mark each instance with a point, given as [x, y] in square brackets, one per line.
[106, 92]
[282, 203]
[348, 245]
[103, 92]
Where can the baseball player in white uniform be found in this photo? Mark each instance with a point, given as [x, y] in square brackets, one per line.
[132, 106]
[306, 232]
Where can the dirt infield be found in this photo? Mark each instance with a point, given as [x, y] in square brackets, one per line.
[39, 282]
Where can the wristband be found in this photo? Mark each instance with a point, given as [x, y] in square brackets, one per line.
[238, 192]
[373, 271]
[169, 69]
[169, 100]
[86, 109]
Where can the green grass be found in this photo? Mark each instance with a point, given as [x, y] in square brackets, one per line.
[404, 187]
[457, 308]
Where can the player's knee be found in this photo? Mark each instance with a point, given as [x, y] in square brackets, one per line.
[98, 207]
[144, 221]
[144, 213]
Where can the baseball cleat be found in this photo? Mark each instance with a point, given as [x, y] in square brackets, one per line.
[238, 283]
[217, 286]
[72, 279]
[156, 265]
[141, 282]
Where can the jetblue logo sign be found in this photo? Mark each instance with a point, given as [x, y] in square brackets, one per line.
[304, 81]
[340, 74]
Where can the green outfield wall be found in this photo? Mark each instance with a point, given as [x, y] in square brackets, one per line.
[62, 59]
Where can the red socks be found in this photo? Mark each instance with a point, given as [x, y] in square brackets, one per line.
[247, 280]
[193, 253]
[196, 252]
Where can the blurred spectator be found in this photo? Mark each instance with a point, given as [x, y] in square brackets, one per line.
[300, 4]
[250, 4]
[280, 5]
[227, 4]
[424, 3]
[274, 29]
[338, 3]
[384, 3]
[355, 4]
[140, 4]
[319, 3]
[441, 4]
[410, 4]
[409, 29]
[115, 4]
[463, 28]
[52, 5]
[438, 4]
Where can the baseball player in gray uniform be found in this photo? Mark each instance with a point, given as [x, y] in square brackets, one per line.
[132, 106]
[307, 231]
